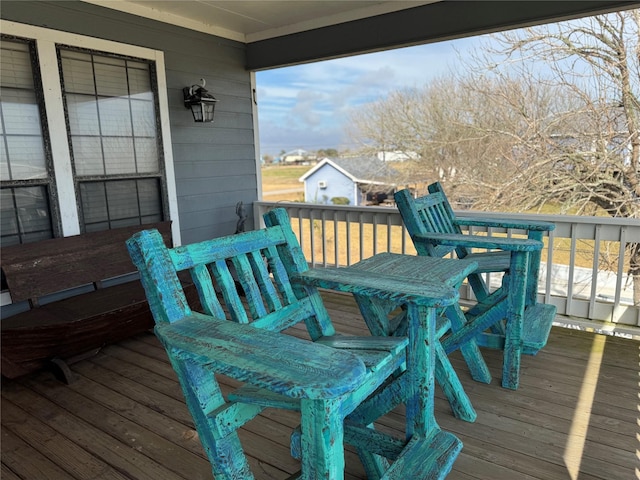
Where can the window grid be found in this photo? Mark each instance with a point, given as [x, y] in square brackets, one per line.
[28, 213]
[17, 226]
[120, 137]
[124, 208]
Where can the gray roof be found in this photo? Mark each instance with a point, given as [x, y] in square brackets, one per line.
[367, 169]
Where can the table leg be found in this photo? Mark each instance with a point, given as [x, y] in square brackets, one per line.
[515, 318]
[534, 270]
[420, 365]
[322, 440]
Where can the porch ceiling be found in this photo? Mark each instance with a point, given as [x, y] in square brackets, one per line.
[279, 33]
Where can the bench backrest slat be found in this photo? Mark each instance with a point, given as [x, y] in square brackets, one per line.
[244, 278]
[41, 268]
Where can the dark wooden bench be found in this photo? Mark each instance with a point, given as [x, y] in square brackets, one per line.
[99, 311]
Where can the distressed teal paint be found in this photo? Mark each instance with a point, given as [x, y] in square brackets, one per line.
[516, 322]
[339, 383]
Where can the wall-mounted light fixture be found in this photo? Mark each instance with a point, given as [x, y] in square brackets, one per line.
[200, 101]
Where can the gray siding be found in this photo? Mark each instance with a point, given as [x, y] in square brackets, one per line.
[215, 163]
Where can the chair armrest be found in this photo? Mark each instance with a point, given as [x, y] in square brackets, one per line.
[280, 363]
[479, 241]
[506, 223]
[379, 285]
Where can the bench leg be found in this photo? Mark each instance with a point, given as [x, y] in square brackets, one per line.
[61, 371]
[421, 322]
[61, 367]
[203, 396]
[469, 348]
[448, 380]
[534, 270]
[374, 465]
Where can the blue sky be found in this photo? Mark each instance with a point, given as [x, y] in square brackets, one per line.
[306, 106]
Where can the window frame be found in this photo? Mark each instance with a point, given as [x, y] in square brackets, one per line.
[80, 179]
[64, 184]
[49, 183]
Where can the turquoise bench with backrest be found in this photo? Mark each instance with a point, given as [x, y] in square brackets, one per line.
[340, 384]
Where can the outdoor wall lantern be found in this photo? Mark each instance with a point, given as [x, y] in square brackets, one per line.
[200, 101]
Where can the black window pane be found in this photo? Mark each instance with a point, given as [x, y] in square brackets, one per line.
[94, 202]
[150, 219]
[123, 200]
[97, 227]
[149, 197]
[119, 203]
[25, 215]
[8, 216]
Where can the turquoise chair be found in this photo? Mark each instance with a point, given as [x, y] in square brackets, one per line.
[508, 318]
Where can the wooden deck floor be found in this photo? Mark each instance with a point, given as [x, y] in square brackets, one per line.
[575, 416]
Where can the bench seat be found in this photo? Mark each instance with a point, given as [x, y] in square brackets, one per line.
[71, 326]
[79, 324]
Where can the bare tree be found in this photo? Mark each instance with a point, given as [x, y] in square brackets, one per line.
[586, 154]
[549, 114]
[436, 124]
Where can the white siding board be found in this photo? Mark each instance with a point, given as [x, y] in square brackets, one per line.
[229, 185]
[215, 230]
[209, 136]
[222, 153]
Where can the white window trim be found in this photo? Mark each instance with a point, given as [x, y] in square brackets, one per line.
[46, 40]
[256, 142]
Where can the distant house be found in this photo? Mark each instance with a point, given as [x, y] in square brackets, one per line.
[397, 156]
[297, 156]
[351, 181]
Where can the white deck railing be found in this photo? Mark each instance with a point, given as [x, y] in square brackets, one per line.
[584, 261]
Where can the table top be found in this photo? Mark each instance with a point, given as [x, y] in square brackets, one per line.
[426, 281]
[449, 271]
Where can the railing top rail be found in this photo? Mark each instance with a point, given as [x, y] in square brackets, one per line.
[575, 279]
[618, 221]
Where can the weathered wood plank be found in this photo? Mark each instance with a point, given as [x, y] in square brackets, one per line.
[7, 474]
[68, 422]
[479, 463]
[76, 461]
[497, 446]
[535, 401]
[56, 264]
[131, 436]
[26, 461]
[170, 418]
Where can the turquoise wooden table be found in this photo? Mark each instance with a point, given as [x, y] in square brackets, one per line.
[388, 317]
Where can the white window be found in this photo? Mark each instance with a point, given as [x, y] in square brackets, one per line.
[84, 135]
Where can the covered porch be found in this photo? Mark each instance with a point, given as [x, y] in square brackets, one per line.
[574, 416]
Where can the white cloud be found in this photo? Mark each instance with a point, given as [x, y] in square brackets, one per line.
[305, 106]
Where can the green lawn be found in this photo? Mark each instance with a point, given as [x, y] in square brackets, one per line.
[279, 177]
